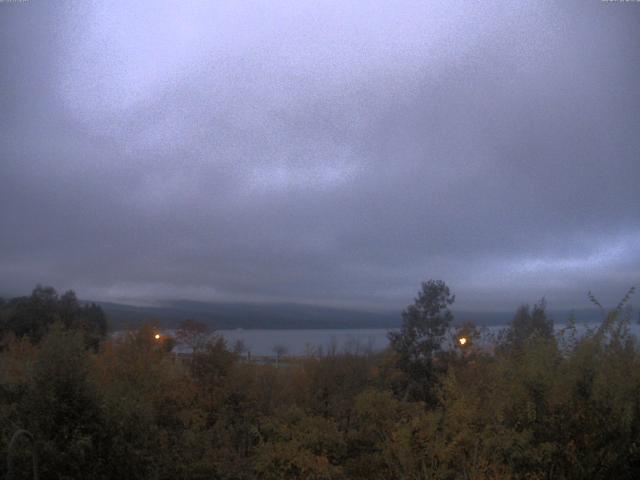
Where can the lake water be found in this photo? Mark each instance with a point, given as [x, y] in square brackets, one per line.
[300, 342]
[304, 341]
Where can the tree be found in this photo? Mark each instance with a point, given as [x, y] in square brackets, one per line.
[211, 366]
[192, 334]
[62, 409]
[300, 446]
[32, 316]
[240, 348]
[528, 323]
[145, 399]
[89, 319]
[424, 327]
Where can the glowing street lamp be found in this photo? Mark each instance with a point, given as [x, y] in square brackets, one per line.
[157, 336]
[462, 341]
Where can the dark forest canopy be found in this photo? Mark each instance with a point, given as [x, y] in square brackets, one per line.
[527, 405]
[33, 316]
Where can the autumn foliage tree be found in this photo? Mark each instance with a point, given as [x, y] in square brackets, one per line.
[192, 334]
[545, 405]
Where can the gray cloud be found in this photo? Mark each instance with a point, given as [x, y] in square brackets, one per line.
[333, 154]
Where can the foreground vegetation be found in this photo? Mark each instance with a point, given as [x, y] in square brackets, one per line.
[528, 404]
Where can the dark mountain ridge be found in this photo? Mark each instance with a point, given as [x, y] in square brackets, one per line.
[295, 316]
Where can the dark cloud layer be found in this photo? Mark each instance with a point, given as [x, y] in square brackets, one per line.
[335, 153]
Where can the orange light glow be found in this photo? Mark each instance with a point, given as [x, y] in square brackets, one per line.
[462, 340]
[157, 336]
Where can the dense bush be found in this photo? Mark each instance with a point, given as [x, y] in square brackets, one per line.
[536, 406]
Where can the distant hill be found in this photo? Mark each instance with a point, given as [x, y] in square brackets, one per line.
[294, 316]
[240, 315]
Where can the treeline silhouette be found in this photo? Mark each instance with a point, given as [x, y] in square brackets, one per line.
[441, 402]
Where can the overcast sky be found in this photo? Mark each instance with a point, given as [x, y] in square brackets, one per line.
[333, 153]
